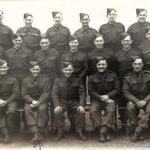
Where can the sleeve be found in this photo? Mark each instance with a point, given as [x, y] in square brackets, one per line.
[15, 92]
[55, 93]
[46, 92]
[127, 93]
[25, 93]
[82, 94]
[147, 98]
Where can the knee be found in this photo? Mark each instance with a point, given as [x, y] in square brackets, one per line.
[130, 106]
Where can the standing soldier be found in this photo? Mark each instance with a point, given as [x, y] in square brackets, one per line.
[103, 87]
[85, 35]
[124, 66]
[111, 31]
[58, 35]
[137, 30]
[69, 95]
[9, 90]
[136, 90]
[18, 58]
[144, 49]
[30, 35]
[35, 92]
[5, 36]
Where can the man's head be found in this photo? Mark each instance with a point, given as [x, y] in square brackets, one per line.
[111, 14]
[1, 15]
[141, 14]
[57, 17]
[126, 40]
[34, 68]
[137, 64]
[84, 19]
[17, 40]
[3, 67]
[28, 19]
[99, 41]
[101, 64]
[73, 43]
[44, 43]
[67, 69]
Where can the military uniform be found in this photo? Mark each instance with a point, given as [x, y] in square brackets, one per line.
[137, 33]
[69, 94]
[145, 53]
[36, 89]
[86, 37]
[92, 59]
[9, 91]
[136, 87]
[31, 37]
[112, 35]
[102, 84]
[58, 36]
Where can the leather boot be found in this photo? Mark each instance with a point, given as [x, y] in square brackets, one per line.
[6, 138]
[137, 134]
[103, 134]
[36, 138]
[60, 134]
[81, 135]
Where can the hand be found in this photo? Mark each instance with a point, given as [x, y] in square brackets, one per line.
[35, 103]
[3, 103]
[80, 109]
[57, 109]
[110, 101]
[141, 103]
[104, 97]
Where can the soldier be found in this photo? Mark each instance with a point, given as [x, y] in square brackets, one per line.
[69, 95]
[137, 30]
[136, 90]
[58, 35]
[103, 87]
[111, 31]
[100, 51]
[30, 35]
[124, 66]
[78, 59]
[5, 36]
[36, 92]
[144, 49]
[85, 34]
[9, 90]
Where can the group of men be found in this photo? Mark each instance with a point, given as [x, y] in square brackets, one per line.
[57, 69]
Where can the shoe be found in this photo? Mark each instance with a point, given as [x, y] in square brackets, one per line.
[141, 138]
[6, 139]
[102, 138]
[36, 139]
[108, 138]
[60, 135]
[81, 135]
[135, 137]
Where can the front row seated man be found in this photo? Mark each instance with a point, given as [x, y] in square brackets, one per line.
[69, 95]
[9, 91]
[103, 88]
[136, 90]
[36, 93]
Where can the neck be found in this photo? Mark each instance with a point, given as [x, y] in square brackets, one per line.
[126, 48]
[74, 50]
[100, 47]
[111, 22]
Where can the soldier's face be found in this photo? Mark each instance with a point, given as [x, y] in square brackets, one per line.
[85, 20]
[73, 45]
[35, 70]
[4, 69]
[101, 65]
[148, 35]
[142, 16]
[137, 65]
[28, 21]
[17, 42]
[58, 18]
[67, 71]
[1, 15]
[126, 42]
[45, 44]
[99, 42]
[112, 16]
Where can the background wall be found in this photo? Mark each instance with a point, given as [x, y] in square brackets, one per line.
[41, 10]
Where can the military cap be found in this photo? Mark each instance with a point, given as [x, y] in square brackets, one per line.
[147, 29]
[15, 36]
[54, 13]
[82, 15]
[72, 38]
[134, 58]
[110, 10]
[139, 10]
[2, 62]
[99, 58]
[33, 64]
[26, 15]
[66, 64]
[44, 36]
[124, 35]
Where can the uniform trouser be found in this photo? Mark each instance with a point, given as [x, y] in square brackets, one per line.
[36, 118]
[71, 108]
[138, 117]
[8, 116]
[96, 117]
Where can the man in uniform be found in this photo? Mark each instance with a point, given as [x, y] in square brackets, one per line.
[9, 90]
[136, 90]
[5, 36]
[111, 31]
[36, 92]
[85, 35]
[58, 35]
[103, 88]
[137, 30]
[30, 35]
[69, 95]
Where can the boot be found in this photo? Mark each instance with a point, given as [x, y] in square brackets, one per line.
[60, 134]
[137, 134]
[81, 135]
[108, 138]
[103, 134]
[102, 138]
[6, 139]
[36, 139]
